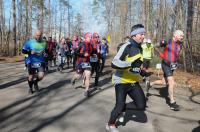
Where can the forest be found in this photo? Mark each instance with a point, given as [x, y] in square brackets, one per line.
[111, 18]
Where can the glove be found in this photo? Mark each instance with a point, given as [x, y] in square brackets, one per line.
[163, 43]
[143, 73]
[135, 66]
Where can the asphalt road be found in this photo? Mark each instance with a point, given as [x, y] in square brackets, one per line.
[61, 107]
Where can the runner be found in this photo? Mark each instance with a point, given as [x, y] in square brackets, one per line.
[50, 51]
[75, 43]
[103, 53]
[69, 51]
[35, 48]
[83, 67]
[127, 63]
[170, 56]
[95, 57]
[61, 50]
[46, 57]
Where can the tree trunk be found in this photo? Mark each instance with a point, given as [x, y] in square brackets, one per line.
[27, 19]
[41, 15]
[30, 18]
[49, 21]
[69, 26]
[14, 28]
[2, 24]
[189, 31]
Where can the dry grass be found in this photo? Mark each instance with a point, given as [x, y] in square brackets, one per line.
[12, 59]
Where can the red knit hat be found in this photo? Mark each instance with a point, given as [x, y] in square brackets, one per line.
[87, 35]
[95, 35]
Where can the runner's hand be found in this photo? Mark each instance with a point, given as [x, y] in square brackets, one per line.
[86, 54]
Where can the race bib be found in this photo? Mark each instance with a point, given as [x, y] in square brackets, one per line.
[85, 65]
[135, 70]
[35, 65]
[93, 58]
[174, 66]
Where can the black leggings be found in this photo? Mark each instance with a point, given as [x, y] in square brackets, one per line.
[102, 64]
[95, 68]
[74, 61]
[137, 95]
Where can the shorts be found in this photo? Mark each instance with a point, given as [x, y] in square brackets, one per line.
[167, 69]
[33, 71]
[80, 68]
[51, 56]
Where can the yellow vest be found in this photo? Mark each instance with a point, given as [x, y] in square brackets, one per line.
[147, 51]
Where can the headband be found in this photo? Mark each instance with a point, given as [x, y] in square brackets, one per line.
[137, 31]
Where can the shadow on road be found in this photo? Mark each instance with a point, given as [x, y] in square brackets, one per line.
[23, 79]
[53, 119]
[13, 83]
[197, 129]
[133, 115]
[4, 112]
[163, 93]
[15, 112]
[193, 95]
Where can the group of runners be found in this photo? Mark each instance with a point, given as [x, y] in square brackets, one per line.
[86, 53]
[131, 64]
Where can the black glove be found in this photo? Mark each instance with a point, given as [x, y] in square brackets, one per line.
[135, 66]
[143, 73]
[163, 43]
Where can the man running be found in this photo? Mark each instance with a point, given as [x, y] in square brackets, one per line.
[51, 47]
[75, 43]
[69, 50]
[103, 53]
[83, 66]
[35, 48]
[127, 63]
[170, 56]
[61, 50]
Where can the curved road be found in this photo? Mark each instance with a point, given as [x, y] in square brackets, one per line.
[60, 107]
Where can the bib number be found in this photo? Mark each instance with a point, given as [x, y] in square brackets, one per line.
[36, 65]
[174, 66]
[135, 70]
[93, 58]
[85, 65]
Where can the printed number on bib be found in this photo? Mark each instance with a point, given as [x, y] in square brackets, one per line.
[85, 65]
[174, 66]
[36, 65]
[93, 58]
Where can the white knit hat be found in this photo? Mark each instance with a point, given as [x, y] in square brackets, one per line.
[149, 41]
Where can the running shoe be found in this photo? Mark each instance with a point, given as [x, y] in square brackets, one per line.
[111, 128]
[121, 117]
[73, 81]
[174, 106]
[36, 87]
[86, 93]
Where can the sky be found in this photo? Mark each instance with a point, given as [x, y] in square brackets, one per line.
[90, 22]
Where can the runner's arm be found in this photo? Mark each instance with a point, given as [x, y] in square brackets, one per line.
[119, 60]
[77, 51]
